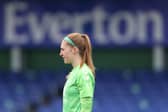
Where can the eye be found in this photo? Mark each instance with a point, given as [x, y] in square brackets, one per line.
[61, 49]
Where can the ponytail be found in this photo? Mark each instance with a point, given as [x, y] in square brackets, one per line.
[83, 43]
[87, 55]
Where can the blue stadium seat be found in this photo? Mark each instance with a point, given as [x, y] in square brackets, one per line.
[115, 91]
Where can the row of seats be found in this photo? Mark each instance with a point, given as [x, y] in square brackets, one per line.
[18, 90]
[115, 91]
[131, 91]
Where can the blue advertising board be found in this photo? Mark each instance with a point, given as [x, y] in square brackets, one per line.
[109, 24]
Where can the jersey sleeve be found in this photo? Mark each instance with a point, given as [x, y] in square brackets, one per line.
[86, 90]
[86, 104]
[85, 84]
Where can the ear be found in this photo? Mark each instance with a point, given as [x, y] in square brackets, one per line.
[75, 50]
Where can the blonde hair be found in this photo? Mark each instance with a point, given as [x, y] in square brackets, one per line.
[82, 41]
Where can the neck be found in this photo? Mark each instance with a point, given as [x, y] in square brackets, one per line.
[77, 61]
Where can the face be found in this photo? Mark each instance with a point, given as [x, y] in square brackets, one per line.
[66, 52]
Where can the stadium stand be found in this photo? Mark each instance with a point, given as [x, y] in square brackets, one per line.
[115, 91]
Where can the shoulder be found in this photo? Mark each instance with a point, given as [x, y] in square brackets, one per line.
[85, 72]
[85, 69]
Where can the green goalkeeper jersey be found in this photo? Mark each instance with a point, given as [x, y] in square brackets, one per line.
[79, 90]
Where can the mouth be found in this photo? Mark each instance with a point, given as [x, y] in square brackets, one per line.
[63, 58]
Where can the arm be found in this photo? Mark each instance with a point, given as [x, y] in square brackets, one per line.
[86, 104]
[86, 90]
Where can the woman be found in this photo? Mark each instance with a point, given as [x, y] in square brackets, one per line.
[79, 88]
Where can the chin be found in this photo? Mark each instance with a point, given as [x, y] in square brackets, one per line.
[66, 62]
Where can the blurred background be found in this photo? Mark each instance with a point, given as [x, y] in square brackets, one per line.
[130, 52]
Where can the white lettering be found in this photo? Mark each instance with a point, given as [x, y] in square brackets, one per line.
[12, 22]
[38, 29]
[99, 17]
[114, 28]
[106, 28]
[157, 21]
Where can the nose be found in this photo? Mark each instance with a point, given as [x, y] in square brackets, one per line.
[60, 54]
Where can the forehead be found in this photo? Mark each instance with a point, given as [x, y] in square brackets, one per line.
[64, 44]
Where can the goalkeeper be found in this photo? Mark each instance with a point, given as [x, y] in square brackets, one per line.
[79, 87]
